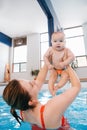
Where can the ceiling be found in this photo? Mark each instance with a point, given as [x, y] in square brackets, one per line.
[21, 17]
[70, 12]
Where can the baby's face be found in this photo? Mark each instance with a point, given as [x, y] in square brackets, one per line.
[58, 41]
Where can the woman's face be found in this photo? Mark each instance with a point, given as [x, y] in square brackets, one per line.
[30, 86]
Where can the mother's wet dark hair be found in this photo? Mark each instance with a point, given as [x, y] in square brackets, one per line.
[16, 97]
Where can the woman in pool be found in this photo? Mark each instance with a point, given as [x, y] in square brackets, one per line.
[23, 95]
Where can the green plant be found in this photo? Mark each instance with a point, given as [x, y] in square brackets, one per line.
[34, 72]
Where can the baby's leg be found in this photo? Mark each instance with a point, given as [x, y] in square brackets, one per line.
[52, 80]
[63, 80]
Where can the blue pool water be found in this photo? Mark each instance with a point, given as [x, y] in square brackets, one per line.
[76, 113]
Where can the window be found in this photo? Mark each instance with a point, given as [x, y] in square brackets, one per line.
[81, 61]
[75, 41]
[76, 44]
[20, 55]
[44, 46]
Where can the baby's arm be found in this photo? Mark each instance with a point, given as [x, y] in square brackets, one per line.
[69, 58]
[48, 58]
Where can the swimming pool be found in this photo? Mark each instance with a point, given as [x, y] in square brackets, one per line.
[76, 113]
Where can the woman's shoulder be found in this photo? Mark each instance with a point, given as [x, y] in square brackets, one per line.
[51, 118]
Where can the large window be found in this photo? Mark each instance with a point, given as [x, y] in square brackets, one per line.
[44, 46]
[20, 55]
[81, 61]
[75, 41]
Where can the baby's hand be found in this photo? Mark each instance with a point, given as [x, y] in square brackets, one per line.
[50, 67]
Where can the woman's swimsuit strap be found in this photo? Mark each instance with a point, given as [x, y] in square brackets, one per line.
[41, 116]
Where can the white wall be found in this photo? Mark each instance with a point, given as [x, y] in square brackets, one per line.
[33, 56]
[4, 59]
[85, 36]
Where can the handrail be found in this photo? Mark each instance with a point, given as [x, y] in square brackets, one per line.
[81, 56]
[76, 63]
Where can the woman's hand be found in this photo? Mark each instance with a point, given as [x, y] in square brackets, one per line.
[42, 76]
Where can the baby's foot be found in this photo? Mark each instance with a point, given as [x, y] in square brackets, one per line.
[53, 91]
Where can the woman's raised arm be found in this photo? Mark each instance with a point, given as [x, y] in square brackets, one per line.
[42, 76]
[75, 82]
[61, 102]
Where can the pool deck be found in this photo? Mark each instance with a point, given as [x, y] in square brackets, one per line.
[66, 86]
[81, 79]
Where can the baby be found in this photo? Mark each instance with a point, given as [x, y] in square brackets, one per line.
[57, 58]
